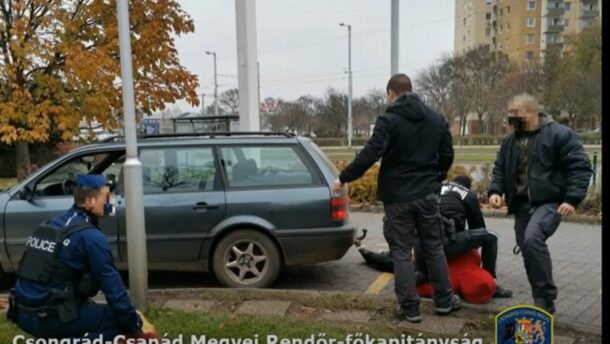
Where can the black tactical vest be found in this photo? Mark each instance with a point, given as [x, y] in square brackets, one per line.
[40, 261]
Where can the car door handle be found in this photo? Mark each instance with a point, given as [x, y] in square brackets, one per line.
[204, 206]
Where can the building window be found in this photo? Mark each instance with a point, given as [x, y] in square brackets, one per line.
[556, 21]
[566, 22]
[464, 21]
[488, 2]
[507, 27]
[531, 22]
[556, 4]
[464, 38]
[566, 6]
[501, 28]
[501, 12]
[529, 39]
[487, 32]
[531, 5]
[529, 55]
[507, 9]
[488, 16]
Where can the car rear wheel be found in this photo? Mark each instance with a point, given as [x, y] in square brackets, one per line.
[246, 259]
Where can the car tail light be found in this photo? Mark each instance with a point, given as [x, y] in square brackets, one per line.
[338, 208]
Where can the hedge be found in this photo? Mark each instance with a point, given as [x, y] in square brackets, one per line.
[588, 138]
[364, 190]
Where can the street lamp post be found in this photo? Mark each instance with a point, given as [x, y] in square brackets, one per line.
[215, 83]
[203, 104]
[134, 206]
[349, 90]
[394, 36]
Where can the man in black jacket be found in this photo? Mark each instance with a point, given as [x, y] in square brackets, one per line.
[544, 173]
[414, 143]
[460, 205]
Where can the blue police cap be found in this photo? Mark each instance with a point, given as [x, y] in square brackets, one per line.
[90, 181]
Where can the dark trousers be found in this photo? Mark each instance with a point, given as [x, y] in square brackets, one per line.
[464, 241]
[402, 224]
[533, 226]
[94, 320]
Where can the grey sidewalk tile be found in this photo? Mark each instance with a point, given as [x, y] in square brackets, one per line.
[436, 324]
[190, 305]
[348, 316]
[273, 308]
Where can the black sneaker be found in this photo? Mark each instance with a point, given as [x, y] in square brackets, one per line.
[454, 304]
[409, 313]
[503, 293]
[547, 305]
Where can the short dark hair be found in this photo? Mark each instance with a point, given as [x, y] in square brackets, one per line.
[399, 84]
[81, 194]
[463, 180]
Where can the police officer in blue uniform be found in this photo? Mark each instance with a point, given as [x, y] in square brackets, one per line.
[67, 261]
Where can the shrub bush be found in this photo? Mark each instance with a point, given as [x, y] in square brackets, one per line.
[587, 138]
[363, 190]
[591, 137]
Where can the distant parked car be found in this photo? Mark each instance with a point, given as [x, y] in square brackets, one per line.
[239, 204]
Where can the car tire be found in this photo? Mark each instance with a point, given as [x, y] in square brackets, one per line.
[246, 259]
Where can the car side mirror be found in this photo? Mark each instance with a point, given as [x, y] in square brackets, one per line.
[111, 181]
[26, 194]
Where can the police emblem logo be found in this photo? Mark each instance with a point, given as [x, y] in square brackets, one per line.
[524, 324]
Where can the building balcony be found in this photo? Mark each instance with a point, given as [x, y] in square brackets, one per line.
[554, 28]
[589, 13]
[558, 44]
[555, 11]
[554, 40]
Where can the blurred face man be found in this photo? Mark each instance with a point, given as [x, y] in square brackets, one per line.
[523, 113]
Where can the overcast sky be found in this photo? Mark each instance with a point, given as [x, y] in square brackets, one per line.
[303, 50]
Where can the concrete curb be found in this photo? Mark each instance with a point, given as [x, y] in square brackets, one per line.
[583, 219]
[292, 294]
[160, 298]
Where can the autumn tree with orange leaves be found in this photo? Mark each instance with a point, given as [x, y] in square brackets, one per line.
[59, 64]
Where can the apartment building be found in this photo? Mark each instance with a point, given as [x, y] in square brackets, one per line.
[473, 24]
[564, 18]
[523, 29]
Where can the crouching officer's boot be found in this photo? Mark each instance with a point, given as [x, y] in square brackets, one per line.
[12, 313]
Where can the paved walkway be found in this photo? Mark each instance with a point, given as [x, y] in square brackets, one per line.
[576, 253]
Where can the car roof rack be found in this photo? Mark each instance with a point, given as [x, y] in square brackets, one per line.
[202, 134]
[111, 138]
[214, 134]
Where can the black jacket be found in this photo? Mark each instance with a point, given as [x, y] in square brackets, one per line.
[558, 169]
[462, 205]
[414, 143]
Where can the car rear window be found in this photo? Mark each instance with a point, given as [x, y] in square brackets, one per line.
[267, 166]
[327, 161]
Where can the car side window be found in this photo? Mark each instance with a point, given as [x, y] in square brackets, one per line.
[60, 181]
[167, 170]
[266, 166]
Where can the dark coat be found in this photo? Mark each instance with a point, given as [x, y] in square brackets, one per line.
[415, 145]
[462, 205]
[558, 169]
